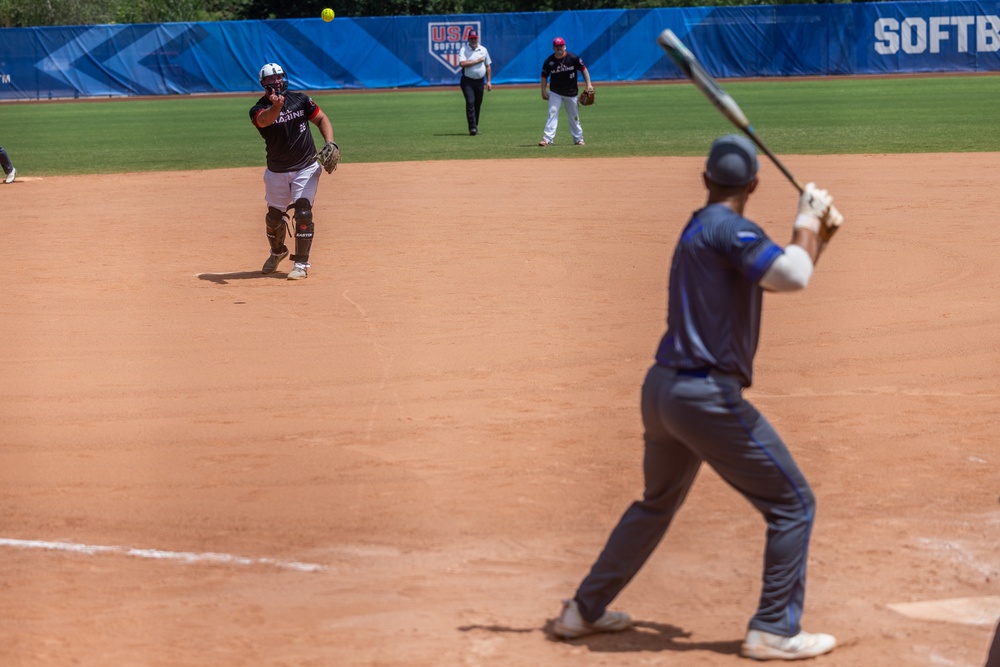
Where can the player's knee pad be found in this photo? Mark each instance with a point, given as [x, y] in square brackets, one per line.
[274, 217]
[274, 223]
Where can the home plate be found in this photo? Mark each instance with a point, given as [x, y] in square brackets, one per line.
[970, 611]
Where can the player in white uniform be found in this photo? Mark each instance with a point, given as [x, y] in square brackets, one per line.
[559, 71]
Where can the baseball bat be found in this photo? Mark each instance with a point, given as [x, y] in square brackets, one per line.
[722, 100]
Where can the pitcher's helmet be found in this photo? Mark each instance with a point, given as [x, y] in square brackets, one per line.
[271, 70]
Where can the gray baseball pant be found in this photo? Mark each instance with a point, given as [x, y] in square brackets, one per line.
[690, 419]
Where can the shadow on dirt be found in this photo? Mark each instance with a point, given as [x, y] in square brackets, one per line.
[644, 636]
[224, 278]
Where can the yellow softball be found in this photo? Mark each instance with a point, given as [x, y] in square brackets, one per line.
[328, 14]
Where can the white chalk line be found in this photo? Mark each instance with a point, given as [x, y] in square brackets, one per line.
[386, 365]
[184, 556]
[877, 392]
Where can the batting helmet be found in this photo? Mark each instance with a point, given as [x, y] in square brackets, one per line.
[274, 69]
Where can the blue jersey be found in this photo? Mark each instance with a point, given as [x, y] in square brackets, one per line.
[713, 314]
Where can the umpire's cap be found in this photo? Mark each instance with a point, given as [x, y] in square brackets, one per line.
[732, 161]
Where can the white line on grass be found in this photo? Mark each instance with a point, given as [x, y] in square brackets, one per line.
[185, 556]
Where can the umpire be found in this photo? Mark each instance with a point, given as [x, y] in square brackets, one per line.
[693, 408]
[476, 63]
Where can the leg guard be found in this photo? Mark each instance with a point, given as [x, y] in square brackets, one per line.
[303, 230]
[274, 223]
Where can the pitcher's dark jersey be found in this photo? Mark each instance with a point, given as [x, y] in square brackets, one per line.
[288, 140]
[561, 74]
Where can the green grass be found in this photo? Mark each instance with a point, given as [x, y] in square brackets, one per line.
[825, 116]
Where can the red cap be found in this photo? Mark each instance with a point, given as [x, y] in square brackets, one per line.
[558, 41]
[473, 35]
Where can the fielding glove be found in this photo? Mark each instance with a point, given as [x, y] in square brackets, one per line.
[329, 156]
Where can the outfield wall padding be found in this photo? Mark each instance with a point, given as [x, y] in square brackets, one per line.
[412, 51]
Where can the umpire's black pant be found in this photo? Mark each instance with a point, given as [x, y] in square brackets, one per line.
[473, 91]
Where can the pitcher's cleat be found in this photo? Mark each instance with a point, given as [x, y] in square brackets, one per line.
[11, 176]
[271, 265]
[300, 271]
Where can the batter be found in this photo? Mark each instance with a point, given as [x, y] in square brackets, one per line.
[694, 411]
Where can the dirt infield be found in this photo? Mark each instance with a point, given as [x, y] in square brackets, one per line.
[410, 458]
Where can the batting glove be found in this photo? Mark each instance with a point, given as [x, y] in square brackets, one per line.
[814, 205]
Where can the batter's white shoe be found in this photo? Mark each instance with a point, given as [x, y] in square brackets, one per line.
[761, 645]
[271, 265]
[571, 625]
[300, 272]
[11, 176]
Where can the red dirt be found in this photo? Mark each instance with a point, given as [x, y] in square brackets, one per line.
[445, 415]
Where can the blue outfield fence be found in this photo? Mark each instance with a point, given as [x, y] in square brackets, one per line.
[390, 52]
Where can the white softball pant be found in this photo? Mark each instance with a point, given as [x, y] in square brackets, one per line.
[281, 190]
[572, 112]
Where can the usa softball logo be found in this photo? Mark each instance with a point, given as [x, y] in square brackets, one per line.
[445, 41]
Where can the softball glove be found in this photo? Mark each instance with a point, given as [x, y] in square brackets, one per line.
[329, 156]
